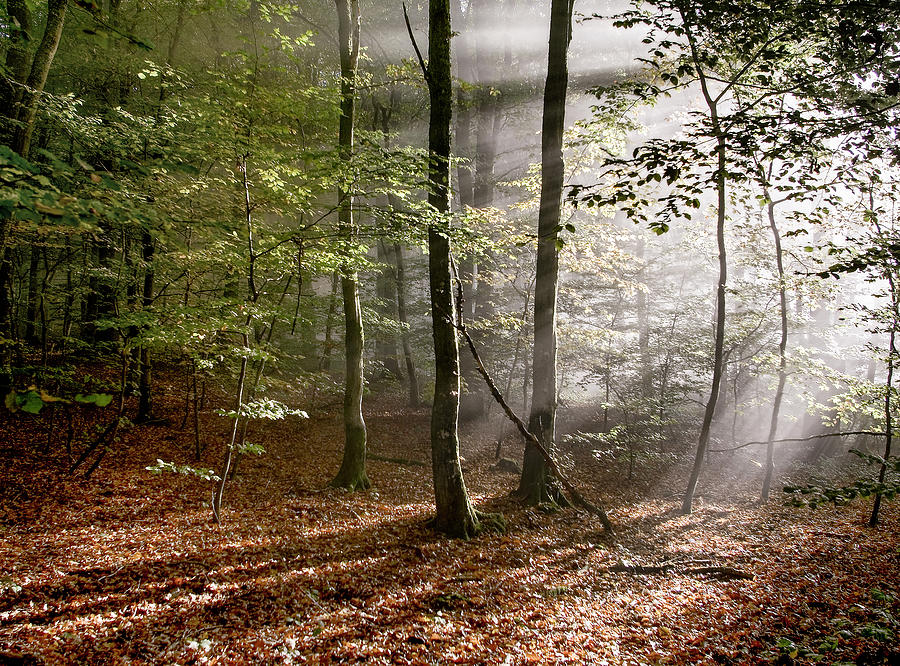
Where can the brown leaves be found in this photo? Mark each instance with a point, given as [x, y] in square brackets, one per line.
[129, 567]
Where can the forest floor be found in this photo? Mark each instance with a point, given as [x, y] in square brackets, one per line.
[127, 567]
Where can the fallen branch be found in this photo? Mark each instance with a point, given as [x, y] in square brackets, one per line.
[801, 439]
[396, 461]
[718, 571]
[576, 496]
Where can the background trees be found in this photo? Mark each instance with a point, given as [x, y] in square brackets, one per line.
[183, 203]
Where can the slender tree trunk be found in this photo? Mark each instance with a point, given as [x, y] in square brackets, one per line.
[782, 355]
[533, 485]
[703, 442]
[889, 274]
[40, 68]
[352, 474]
[328, 344]
[23, 105]
[145, 381]
[643, 321]
[31, 304]
[403, 317]
[455, 515]
[386, 291]
[888, 422]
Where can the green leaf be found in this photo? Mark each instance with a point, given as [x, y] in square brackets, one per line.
[98, 399]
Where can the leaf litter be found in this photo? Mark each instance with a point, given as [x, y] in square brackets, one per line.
[129, 568]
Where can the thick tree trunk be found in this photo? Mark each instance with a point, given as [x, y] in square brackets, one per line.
[352, 474]
[455, 515]
[533, 486]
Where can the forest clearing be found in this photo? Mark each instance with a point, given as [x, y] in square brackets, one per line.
[130, 568]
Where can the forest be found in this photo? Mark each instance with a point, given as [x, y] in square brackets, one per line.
[452, 331]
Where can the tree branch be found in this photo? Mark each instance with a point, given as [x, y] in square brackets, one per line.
[412, 38]
[554, 469]
[802, 439]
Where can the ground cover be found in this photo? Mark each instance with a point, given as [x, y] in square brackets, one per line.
[127, 567]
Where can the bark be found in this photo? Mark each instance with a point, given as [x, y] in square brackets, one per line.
[454, 515]
[352, 474]
[533, 486]
[703, 441]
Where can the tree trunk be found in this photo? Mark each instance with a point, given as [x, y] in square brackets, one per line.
[455, 515]
[412, 381]
[386, 291]
[718, 355]
[325, 363]
[17, 65]
[31, 303]
[24, 108]
[782, 355]
[352, 474]
[145, 383]
[40, 68]
[533, 486]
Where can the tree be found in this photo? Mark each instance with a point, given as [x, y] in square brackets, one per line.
[533, 486]
[352, 474]
[455, 516]
[22, 95]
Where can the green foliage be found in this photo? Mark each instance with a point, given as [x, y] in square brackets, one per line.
[32, 400]
[268, 409]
